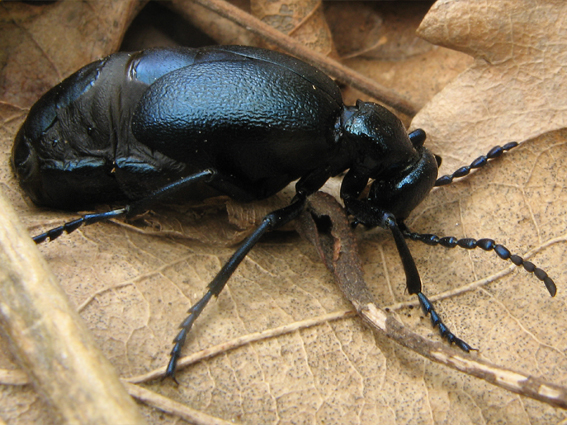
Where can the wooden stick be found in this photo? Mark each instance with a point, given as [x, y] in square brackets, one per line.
[49, 338]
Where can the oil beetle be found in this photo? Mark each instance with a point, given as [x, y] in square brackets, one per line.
[139, 128]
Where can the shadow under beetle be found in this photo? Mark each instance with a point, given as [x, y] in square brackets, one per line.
[140, 128]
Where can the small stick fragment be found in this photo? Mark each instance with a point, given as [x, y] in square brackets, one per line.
[338, 250]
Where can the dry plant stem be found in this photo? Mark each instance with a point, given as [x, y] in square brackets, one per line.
[149, 398]
[165, 404]
[289, 45]
[13, 377]
[516, 382]
[339, 253]
[207, 353]
[172, 407]
[49, 338]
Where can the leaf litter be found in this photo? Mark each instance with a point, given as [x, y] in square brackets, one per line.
[134, 288]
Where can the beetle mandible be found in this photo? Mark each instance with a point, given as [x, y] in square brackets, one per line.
[138, 128]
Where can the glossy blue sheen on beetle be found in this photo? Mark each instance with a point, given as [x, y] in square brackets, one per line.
[129, 124]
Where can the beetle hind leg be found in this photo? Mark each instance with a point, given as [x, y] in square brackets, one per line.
[85, 220]
[134, 208]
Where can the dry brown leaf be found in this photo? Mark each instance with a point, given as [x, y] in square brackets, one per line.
[43, 44]
[40, 45]
[515, 90]
[403, 62]
[133, 289]
[51, 342]
[382, 31]
[302, 19]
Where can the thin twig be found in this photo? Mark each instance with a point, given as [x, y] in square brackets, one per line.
[168, 405]
[207, 353]
[511, 380]
[289, 45]
[340, 255]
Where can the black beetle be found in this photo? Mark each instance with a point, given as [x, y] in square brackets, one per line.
[141, 127]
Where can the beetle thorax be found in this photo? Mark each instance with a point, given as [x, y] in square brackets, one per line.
[377, 141]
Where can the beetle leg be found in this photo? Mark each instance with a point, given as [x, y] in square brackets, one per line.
[414, 282]
[167, 192]
[271, 221]
[134, 208]
[373, 217]
[443, 329]
[85, 220]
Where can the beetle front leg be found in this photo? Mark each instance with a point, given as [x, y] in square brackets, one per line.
[414, 283]
[271, 221]
[373, 217]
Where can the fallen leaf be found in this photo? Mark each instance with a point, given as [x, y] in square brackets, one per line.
[401, 61]
[60, 38]
[301, 19]
[516, 87]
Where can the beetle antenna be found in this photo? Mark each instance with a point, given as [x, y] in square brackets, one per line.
[481, 161]
[487, 245]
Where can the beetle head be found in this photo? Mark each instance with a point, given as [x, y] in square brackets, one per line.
[403, 170]
[378, 142]
[401, 193]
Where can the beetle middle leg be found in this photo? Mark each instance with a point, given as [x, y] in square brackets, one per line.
[271, 221]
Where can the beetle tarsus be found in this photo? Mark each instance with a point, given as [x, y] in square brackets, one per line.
[179, 340]
[86, 220]
[436, 321]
